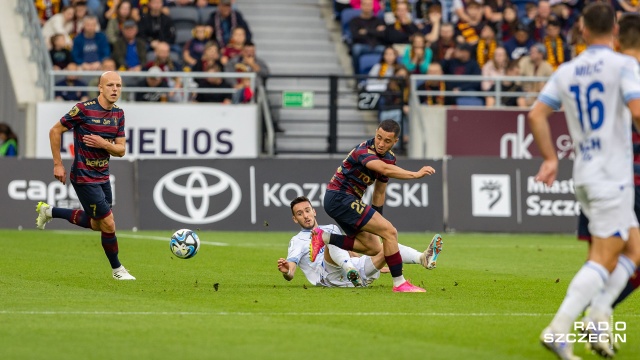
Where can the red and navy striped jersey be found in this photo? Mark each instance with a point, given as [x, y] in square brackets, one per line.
[352, 176]
[635, 137]
[91, 165]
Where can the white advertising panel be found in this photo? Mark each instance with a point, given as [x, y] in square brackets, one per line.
[167, 130]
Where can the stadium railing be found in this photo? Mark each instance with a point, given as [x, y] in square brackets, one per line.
[39, 54]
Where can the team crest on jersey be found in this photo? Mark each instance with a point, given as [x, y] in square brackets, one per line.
[74, 111]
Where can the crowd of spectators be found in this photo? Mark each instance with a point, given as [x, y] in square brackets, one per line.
[155, 36]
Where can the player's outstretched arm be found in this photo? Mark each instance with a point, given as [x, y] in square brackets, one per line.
[287, 268]
[116, 148]
[396, 172]
[55, 135]
[539, 124]
[634, 107]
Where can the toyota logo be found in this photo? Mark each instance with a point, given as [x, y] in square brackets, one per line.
[196, 187]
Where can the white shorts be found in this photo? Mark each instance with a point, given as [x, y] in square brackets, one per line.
[609, 208]
[334, 276]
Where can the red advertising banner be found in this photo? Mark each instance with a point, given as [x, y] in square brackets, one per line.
[501, 133]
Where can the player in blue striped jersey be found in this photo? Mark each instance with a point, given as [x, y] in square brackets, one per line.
[98, 127]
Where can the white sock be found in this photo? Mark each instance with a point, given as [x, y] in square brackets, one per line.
[409, 255]
[340, 257]
[601, 304]
[369, 268]
[398, 280]
[586, 284]
[49, 211]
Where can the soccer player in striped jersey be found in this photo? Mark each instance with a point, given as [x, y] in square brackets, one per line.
[370, 163]
[600, 93]
[98, 134]
[333, 266]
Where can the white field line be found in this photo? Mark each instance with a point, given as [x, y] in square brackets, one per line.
[224, 313]
[134, 236]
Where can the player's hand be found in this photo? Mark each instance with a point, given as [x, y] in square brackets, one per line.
[548, 171]
[60, 173]
[95, 141]
[283, 266]
[426, 170]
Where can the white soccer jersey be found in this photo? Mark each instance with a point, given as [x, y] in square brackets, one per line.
[595, 88]
[299, 253]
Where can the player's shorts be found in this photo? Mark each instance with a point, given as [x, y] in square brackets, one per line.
[583, 222]
[607, 210]
[95, 199]
[334, 275]
[348, 211]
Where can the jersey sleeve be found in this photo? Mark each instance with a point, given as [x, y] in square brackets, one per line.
[550, 94]
[335, 229]
[73, 117]
[295, 251]
[364, 155]
[121, 127]
[630, 81]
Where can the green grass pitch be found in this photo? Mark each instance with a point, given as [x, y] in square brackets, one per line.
[489, 298]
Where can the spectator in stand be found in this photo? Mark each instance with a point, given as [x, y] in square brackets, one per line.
[385, 68]
[91, 46]
[497, 66]
[367, 34]
[562, 12]
[631, 6]
[111, 9]
[401, 30]
[80, 13]
[375, 5]
[443, 48]
[244, 92]
[224, 20]
[535, 65]
[47, 9]
[493, 11]
[157, 27]
[8, 141]
[235, 45]
[130, 52]
[163, 60]
[468, 30]
[214, 82]
[435, 69]
[417, 57]
[576, 40]
[249, 60]
[116, 24]
[395, 101]
[531, 12]
[108, 64]
[194, 48]
[61, 23]
[539, 24]
[508, 86]
[461, 64]
[507, 27]
[210, 56]
[486, 46]
[518, 46]
[430, 27]
[153, 82]
[59, 53]
[71, 80]
[556, 45]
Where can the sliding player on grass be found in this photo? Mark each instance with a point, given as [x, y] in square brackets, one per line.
[336, 267]
[370, 163]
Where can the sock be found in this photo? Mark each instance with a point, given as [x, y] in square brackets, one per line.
[601, 304]
[586, 284]
[632, 285]
[409, 255]
[341, 257]
[76, 217]
[342, 241]
[369, 268]
[110, 246]
[394, 262]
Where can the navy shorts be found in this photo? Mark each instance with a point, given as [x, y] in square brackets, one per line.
[348, 211]
[95, 199]
[583, 222]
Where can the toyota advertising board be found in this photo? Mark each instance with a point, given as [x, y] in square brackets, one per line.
[502, 195]
[24, 182]
[501, 133]
[255, 195]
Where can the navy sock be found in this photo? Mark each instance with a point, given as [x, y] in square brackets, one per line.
[395, 264]
[110, 246]
[342, 241]
[634, 283]
[76, 217]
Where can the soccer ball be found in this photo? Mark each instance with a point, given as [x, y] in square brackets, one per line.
[184, 244]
